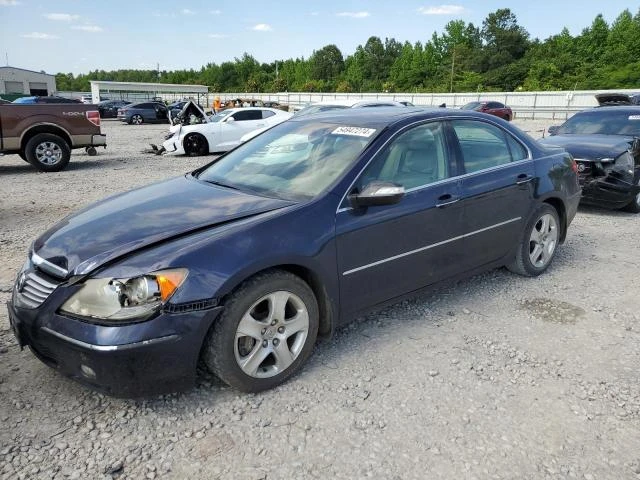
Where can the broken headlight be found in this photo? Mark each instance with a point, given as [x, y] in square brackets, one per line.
[124, 298]
[625, 163]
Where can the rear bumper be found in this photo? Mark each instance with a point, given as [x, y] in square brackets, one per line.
[99, 140]
[96, 140]
[141, 365]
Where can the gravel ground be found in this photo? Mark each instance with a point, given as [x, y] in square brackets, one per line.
[497, 376]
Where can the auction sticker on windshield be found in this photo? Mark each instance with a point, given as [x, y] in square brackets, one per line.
[634, 117]
[355, 131]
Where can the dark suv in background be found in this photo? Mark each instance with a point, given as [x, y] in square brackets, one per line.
[109, 108]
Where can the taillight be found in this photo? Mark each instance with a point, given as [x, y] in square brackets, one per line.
[94, 117]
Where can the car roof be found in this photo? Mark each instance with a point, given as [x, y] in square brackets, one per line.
[351, 102]
[380, 117]
[630, 109]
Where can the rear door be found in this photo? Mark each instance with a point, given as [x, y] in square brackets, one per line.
[386, 251]
[497, 189]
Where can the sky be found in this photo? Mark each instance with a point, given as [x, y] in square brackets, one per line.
[82, 35]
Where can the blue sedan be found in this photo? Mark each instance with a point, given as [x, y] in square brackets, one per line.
[146, 112]
[244, 262]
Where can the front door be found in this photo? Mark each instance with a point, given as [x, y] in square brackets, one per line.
[386, 251]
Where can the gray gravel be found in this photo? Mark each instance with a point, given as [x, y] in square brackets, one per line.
[496, 377]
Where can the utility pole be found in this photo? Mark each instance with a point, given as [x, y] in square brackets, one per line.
[453, 62]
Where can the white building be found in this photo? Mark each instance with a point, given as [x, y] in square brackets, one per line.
[26, 82]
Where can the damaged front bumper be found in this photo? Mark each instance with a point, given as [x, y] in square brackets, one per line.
[607, 187]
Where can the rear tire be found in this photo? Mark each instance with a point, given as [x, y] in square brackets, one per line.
[22, 155]
[507, 118]
[539, 242]
[195, 145]
[48, 152]
[265, 333]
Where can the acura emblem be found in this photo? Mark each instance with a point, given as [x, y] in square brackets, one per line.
[581, 167]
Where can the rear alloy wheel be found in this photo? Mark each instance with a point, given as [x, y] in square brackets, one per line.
[265, 333]
[195, 145]
[48, 152]
[137, 119]
[539, 243]
[634, 206]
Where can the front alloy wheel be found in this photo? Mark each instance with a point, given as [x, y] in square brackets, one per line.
[265, 333]
[137, 119]
[271, 334]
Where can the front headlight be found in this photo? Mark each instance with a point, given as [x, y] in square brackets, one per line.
[125, 298]
[625, 163]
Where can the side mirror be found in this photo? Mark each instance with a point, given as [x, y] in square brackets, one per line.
[230, 119]
[377, 193]
[553, 129]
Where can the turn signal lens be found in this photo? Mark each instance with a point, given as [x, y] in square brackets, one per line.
[169, 281]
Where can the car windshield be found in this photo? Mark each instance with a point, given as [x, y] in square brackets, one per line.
[471, 106]
[311, 109]
[218, 117]
[294, 160]
[602, 123]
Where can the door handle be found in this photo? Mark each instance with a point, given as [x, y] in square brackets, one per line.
[523, 178]
[446, 199]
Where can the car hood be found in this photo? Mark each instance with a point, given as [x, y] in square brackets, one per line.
[591, 147]
[143, 217]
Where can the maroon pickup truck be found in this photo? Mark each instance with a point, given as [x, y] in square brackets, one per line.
[45, 134]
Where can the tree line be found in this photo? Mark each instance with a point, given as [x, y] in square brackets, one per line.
[499, 55]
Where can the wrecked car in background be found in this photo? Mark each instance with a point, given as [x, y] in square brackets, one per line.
[606, 146]
[194, 133]
[613, 99]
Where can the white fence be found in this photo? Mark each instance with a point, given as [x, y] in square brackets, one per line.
[526, 105]
[532, 105]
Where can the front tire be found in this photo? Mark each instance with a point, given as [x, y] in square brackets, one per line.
[137, 119]
[266, 332]
[195, 145]
[48, 152]
[539, 242]
[634, 206]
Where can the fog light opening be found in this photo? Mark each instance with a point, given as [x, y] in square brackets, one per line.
[88, 372]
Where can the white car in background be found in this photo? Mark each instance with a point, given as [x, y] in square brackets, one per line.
[193, 133]
[327, 105]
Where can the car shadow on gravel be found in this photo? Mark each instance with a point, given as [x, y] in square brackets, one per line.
[604, 212]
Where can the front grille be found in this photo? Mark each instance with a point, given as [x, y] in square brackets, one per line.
[35, 289]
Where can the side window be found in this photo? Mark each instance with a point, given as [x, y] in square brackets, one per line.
[485, 146]
[494, 105]
[267, 114]
[244, 115]
[415, 158]
[518, 152]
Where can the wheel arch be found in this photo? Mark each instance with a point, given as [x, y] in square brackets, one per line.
[206, 140]
[45, 128]
[311, 278]
[559, 206]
